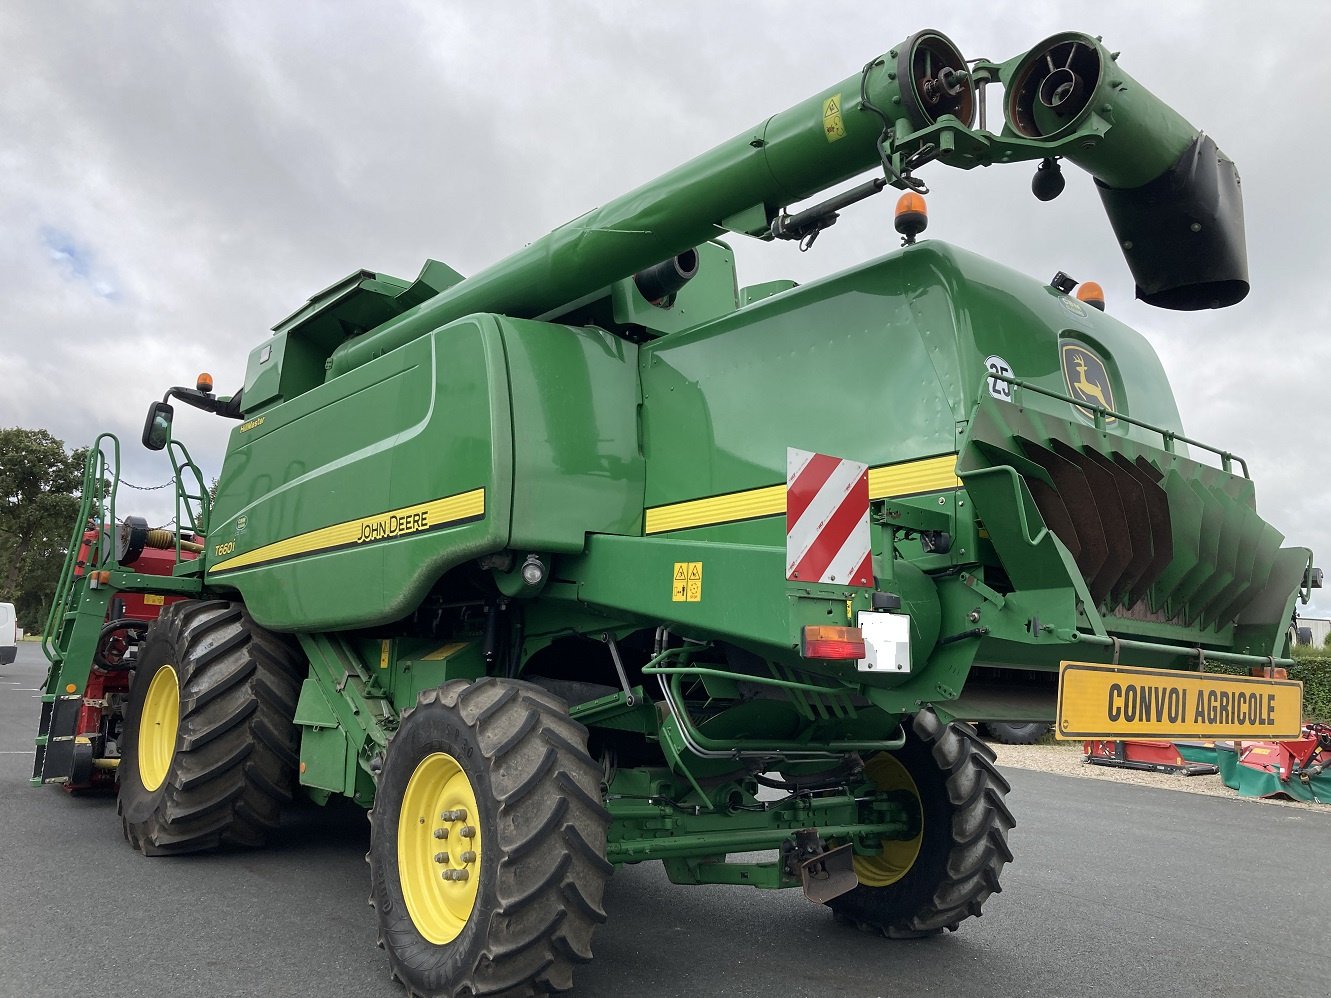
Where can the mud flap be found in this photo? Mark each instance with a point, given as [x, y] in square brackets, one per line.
[54, 760]
[825, 873]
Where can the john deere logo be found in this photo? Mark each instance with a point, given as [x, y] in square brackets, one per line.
[1087, 380]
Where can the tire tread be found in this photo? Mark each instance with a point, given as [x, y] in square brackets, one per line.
[977, 850]
[548, 831]
[235, 759]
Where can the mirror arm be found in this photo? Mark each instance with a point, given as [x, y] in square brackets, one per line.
[228, 407]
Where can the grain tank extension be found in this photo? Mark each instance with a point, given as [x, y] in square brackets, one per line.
[595, 558]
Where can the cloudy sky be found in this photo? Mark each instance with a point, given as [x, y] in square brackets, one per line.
[175, 178]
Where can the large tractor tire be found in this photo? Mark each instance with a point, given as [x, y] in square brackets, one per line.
[1015, 732]
[487, 850]
[209, 749]
[942, 876]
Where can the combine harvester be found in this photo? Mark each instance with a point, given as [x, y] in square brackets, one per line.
[559, 566]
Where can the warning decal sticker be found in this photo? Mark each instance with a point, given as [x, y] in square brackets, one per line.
[686, 586]
[833, 127]
[827, 520]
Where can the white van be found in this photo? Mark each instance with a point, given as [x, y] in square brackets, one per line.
[8, 634]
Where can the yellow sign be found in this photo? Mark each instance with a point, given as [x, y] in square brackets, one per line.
[686, 584]
[1120, 701]
[833, 126]
[154, 599]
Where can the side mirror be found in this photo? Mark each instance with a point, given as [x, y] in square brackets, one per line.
[157, 427]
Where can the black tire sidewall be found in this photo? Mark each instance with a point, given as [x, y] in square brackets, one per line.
[137, 803]
[435, 728]
[1016, 733]
[916, 888]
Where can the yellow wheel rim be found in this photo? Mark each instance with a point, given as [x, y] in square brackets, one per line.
[158, 725]
[439, 848]
[898, 855]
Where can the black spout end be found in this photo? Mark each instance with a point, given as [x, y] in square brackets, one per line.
[662, 280]
[1182, 233]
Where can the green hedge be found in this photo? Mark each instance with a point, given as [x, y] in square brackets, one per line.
[1315, 674]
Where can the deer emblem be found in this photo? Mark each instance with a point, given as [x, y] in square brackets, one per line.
[1087, 388]
[1091, 381]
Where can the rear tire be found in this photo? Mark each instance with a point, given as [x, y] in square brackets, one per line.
[209, 750]
[1015, 733]
[963, 845]
[506, 755]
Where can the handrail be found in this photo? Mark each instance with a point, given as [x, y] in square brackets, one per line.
[1103, 414]
[1031, 539]
[196, 506]
[96, 489]
[709, 748]
[1201, 654]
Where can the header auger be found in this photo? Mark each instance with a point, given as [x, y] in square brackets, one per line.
[594, 558]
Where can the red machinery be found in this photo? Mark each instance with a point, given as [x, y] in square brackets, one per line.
[1155, 756]
[1300, 769]
[149, 552]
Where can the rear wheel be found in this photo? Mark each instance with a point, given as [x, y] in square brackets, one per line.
[209, 747]
[1015, 733]
[942, 876]
[487, 850]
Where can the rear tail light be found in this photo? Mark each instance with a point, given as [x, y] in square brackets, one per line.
[835, 643]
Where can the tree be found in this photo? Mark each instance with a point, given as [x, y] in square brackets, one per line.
[40, 484]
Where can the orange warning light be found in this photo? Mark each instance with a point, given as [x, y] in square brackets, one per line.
[1092, 294]
[71, 688]
[205, 383]
[912, 215]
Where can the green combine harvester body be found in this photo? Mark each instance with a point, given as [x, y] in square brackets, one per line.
[522, 549]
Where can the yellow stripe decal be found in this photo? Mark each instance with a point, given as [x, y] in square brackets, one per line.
[914, 477]
[446, 512]
[719, 509]
[886, 481]
[443, 651]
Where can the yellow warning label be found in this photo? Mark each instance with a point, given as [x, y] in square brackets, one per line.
[833, 126]
[686, 583]
[1118, 701]
[154, 599]
[383, 654]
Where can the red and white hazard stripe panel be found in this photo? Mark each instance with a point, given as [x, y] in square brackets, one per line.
[827, 520]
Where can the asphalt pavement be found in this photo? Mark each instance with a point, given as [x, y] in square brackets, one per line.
[1116, 890]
